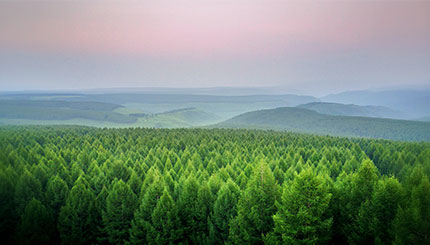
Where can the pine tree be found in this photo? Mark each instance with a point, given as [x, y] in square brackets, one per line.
[27, 188]
[224, 211]
[191, 213]
[56, 194]
[8, 214]
[120, 205]
[412, 222]
[164, 221]
[77, 222]
[255, 208]
[302, 212]
[141, 224]
[37, 225]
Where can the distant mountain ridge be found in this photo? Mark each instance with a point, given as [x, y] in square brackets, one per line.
[338, 109]
[308, 121]
[413, 102]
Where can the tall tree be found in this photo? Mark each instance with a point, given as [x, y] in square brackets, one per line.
[191, 212]
[255, 208]
[141, 224]
[165, 221]
[224, 211]
[36, 225]
[412, 224]
[77, 222]
[302, 212]
[121, 203]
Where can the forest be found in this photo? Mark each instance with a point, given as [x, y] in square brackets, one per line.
[84, 185]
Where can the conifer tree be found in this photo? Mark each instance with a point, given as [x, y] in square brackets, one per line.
[302, 212]
[412, 222]
[27, 188]
[165, 221]
[120, 205]
[224, 211]
[77, 222]
[37, 225]
[191, 213]
[141, 224]
[255, 208]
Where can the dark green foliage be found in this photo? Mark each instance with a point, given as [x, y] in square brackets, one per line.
[198, 186]
[141, 226]
[8, 214]
[120, 205]
[36, 226]
[77, 222]
[412, 224]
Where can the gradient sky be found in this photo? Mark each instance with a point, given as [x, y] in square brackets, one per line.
[315, 47]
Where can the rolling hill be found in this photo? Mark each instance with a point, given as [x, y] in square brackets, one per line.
[308, 121]
[62, 110]
[352, 110]
[414, 103]
[224, 106]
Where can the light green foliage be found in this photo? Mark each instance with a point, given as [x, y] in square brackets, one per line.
[302, 212]
[209, 186]
[256, 207]
[224, 211]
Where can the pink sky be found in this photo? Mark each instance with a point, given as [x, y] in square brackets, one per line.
[206, 28]
[210, 30]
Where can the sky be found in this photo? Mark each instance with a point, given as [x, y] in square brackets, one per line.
[315, 47]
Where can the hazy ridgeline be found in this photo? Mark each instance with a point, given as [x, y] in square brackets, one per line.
[373, 114]
[80, 185]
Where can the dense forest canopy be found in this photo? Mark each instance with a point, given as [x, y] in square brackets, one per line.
[81, 185]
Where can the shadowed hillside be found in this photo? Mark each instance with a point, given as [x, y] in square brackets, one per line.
[303, 120]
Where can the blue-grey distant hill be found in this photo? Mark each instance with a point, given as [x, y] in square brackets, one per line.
[413, 102]
[308, 121]
[338, 109]
[62, 110]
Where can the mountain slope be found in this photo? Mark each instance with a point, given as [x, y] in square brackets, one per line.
[415, 103]
[303, 120]
[352, 110]
[62, 110]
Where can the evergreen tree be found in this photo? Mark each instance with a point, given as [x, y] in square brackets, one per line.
[77, 222]
[164, 221]
[255, 208]
[36, 225]
[26, 189]
[224, 211]
[120, 205]
[191, 213]
[302, 211]
[141, 224]
[8, 214]
[412, 223]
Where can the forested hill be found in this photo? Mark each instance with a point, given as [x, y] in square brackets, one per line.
[414, 102]
[80, 185]
[62, 110]
[308, 121]
[338, 109]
